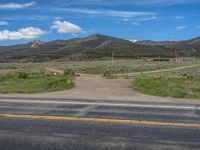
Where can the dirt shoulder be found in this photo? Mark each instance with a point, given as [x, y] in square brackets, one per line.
[99, 88]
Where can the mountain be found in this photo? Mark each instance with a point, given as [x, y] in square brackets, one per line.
[36, 44]
[184, 48]
[158, 43]
[95, 47]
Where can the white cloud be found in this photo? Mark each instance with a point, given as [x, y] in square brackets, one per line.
[180, 27]
[126, 19]
[129, 2]
[136, 23]
[21, 34]
[125, 14]
[65, 27]
[16, 5]
[3, 23]
[114, 13]
[31, 17]
[163, 2]
[149, 18]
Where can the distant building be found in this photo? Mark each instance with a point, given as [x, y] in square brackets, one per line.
[178, 59]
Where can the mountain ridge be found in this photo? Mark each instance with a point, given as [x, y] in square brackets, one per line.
[97, 46]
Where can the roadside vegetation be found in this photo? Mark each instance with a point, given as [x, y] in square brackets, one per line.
[184, 83]
[109, 75]
[175, 79]
[21, 82]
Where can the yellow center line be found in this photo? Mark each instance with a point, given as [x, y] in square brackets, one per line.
[102, 120]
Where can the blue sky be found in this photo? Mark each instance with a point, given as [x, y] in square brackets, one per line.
[24, 20]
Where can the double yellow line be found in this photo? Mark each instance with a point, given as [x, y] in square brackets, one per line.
[102, 120]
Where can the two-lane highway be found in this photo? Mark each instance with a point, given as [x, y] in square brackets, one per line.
[67, 124]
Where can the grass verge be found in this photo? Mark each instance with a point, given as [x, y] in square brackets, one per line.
[35, 84]
[169, 87]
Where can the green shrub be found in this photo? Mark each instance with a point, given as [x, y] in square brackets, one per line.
[109, 75]
[68, 72]
[22, 75]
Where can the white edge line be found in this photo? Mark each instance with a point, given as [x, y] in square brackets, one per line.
[102, 104]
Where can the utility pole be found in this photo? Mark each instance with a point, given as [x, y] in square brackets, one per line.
[175, 53]
[112, 57]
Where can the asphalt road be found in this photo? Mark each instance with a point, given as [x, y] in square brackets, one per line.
[89, 125]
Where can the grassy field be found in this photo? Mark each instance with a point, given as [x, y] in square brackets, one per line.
[179, 72]
[178, 82]
[96, 67]
[34, 83]
[169, 87]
